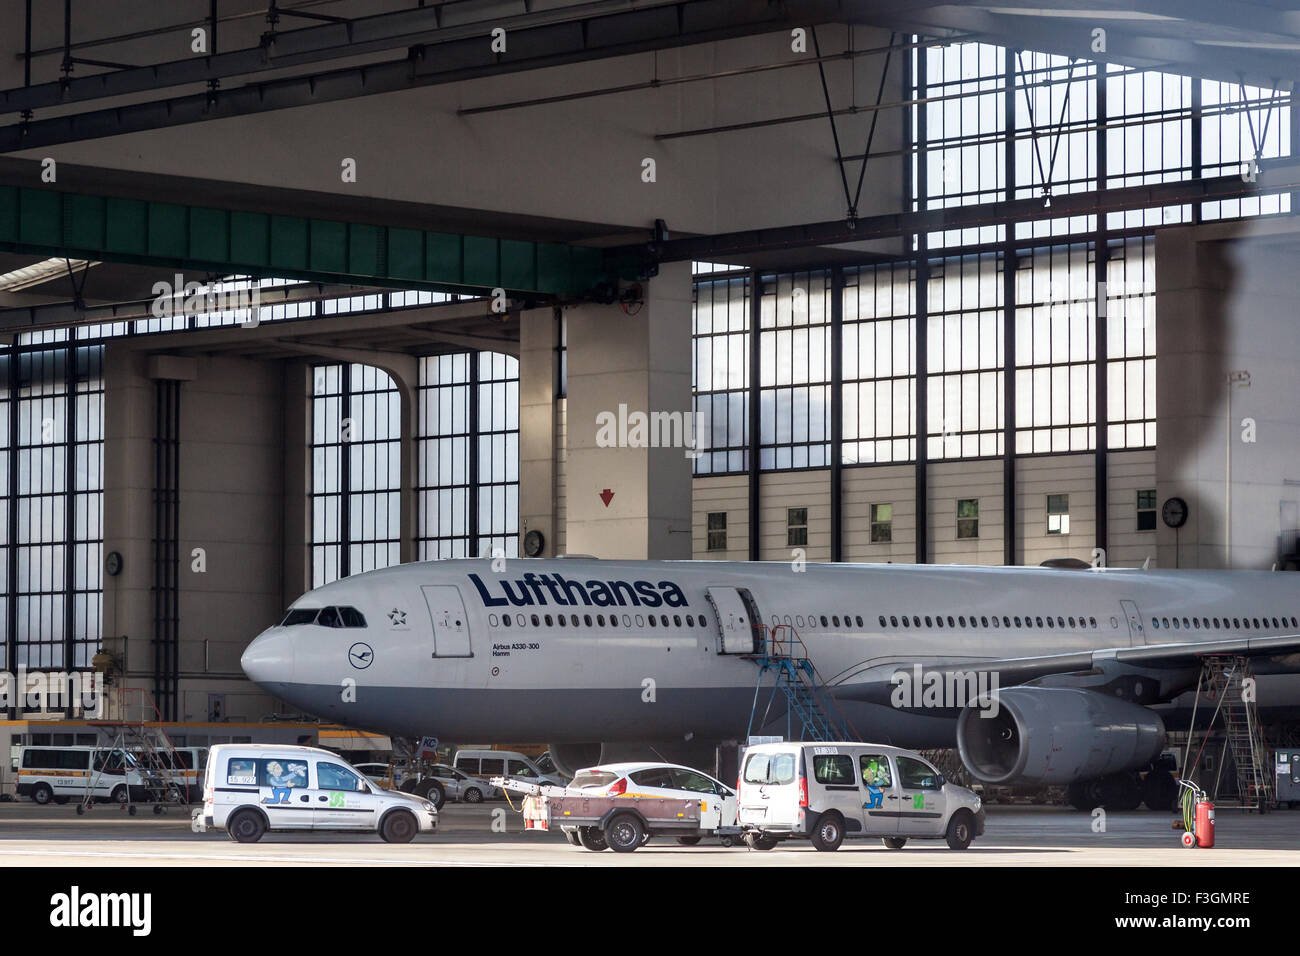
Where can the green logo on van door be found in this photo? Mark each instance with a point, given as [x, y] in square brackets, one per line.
[918, 801]
[336, 799]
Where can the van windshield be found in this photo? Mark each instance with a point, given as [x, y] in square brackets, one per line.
[766, 768]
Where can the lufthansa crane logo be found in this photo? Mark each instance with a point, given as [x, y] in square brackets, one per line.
[361, 656]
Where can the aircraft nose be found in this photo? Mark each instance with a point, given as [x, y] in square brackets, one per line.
[269, 660]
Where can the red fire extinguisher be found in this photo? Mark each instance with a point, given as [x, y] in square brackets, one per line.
[1198, 816]
[1204, 824]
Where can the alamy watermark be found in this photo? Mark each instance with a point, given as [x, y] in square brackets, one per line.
[946, 690]
[638, 429]
[52, 690]
[181, 298]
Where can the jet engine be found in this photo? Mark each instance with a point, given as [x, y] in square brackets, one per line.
[1056, 735]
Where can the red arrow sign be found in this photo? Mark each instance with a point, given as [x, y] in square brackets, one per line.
[607, 496]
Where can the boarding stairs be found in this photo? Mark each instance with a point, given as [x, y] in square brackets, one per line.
[1223, 681]
[784, 655]
[138, 731]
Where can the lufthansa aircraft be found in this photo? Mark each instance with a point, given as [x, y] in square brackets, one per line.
[1063, 667]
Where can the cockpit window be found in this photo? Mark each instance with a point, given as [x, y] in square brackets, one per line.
[325, 617]
[329, 617]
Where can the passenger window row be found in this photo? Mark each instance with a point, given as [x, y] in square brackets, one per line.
[598, 620]
[1224, 623]
[989, 621]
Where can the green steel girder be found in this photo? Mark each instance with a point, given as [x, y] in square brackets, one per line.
[50, 223]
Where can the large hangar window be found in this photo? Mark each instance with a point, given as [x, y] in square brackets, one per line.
[879, 364]
[794, 384]
[721, 371]
[468, 455]
[356, 471]
[51, 477]
[987, 125]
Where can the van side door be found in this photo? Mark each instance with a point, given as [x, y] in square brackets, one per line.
[283, 791]
[922, 804]
[834, 786]
[880, 795]
[341, 800]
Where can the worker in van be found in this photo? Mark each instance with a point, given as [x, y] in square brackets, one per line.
[875, 777]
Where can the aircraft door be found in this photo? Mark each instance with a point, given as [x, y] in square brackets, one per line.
[1137, 636]
[450, 623]
[737, 617]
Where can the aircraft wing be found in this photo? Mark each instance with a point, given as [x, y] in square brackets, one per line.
[869, 681]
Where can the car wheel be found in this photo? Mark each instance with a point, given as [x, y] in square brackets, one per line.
[894, 843]
[398, 827]
[625, 833]
[759, 841]
[119, 794]
[688, 840]
[829, 832]
[42, 793]
[432, 791]
[961, 830]
[473, 795]
[246, 826]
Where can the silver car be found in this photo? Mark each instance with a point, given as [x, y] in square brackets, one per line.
[462, 787]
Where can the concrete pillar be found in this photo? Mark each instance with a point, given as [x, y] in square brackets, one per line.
[538, 330]
[297, 480]
[631, 500]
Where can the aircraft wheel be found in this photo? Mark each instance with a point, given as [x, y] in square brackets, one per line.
[894, 843]
[1159, 791]
[1121, 792]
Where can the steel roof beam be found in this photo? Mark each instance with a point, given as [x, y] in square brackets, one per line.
[1273, 177]
[641, 30]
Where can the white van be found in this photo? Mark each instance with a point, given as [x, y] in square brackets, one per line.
[58, 773]
[829, 792]
[486, 764]
[251, 788]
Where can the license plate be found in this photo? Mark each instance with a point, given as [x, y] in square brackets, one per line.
[752, 814]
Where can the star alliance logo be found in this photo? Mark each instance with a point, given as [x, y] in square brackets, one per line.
[397, 618]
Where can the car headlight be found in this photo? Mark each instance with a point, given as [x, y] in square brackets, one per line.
[428, 806]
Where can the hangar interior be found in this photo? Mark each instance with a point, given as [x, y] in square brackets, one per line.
[295, 291]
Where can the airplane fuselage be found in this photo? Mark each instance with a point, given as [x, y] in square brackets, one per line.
[576, 650]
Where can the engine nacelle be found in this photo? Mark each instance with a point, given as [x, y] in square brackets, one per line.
[1058, 735]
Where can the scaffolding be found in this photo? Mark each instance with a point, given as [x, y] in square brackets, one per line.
[1228, 681]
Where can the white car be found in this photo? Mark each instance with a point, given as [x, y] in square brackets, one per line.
[646, 779]
[249, 789]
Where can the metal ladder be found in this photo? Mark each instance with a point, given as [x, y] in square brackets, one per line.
[147, 742]
[1222, 680]
[785, 655]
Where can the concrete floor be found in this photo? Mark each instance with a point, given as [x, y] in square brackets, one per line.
[56, 836]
